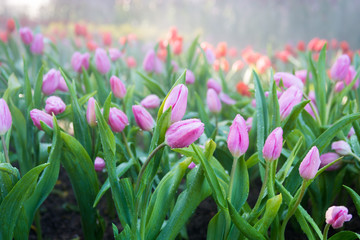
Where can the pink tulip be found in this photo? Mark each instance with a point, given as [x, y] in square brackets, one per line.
[117, 87]
[350, 77]
[341, 147]
[151, 101]
[190, 77]
[99, 164]
[226, 99]
[102, 61]
[238, 138]
[214, 85]
[38, 115]
[273, 145]
[5, 117]
[327, 158]
[309, 109]
[339, 86]
[340, 68]
[50, 82]
[301, 74]
[150, 61]
[115, 54]
[90, 112]
[117, 120]
[177, 100]
[79, 60]
[248, 123]
[175, 66]
[288, 80]
[351, 132]
[54, 105]
[291, 97]
[143, 118]
[37, 46]
[310, 165]
[337, 215]
[210, 56]
[213, 101]
[183, 133]
[26, 35]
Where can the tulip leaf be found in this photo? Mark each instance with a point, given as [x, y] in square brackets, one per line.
[239, 189]
[271, 209]
[289, 123]
[216, 227]
[209, 128]
[321, 84]
[37, 88]
[12, 204]
[9, 176]
[355, 197]
[153, 86]
[348, 235]
[191, 52]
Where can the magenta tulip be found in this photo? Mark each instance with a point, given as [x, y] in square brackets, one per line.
[79, 61]
[301, 74]
[143, 118]
[26, 35]
[337, 215]
[5, 117]
[291, 97]
[117, 87]
[102, 61]
[341, 147]
[213, 101]
[151, 101]
[177, 100]
[327, 158]
[38, 115]
[37, 46]
[183, 133]
[238, 138]
[288, 80]
[90, 112]
[50, 82]
[340, 68]
[214, 85]
[310, 164]
[226, 99]
[114, 54]
[117, 120]
[54, 105]
[273, 145]
[99, 164]
[190, 77]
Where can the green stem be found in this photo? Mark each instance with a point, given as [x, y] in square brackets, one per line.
[328, 106]
[38, 225]
[233, 170]
[271, 181]
[147, 161]
[5, 149]
[356, 157]
[292, 209]
[137, 164]
[325, 233]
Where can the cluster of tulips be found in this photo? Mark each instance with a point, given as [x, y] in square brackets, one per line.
[178, 122]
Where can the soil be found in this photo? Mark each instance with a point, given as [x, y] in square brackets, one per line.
[60, 218]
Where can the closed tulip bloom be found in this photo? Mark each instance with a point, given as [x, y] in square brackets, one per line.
[102, 61]
[177, 100]
[339, 86]
[149, 61]
[99, 164]
[310, 165]
[291, 97]
[54, 105]
[183, 133]
[288, 80]
[238, 138]
[115, 54]
[37, 46]
[26, 35]
[143, 118]
[226, 99]
[213, 101]
[210, 56]
[50, 82]
[117, 120]
[79, 60]
[248, 123]
[337, 215]
[62, 84]
[350, 77]
[214, 85]
[309, 109]
[38, 115]
[273, 145]
[340, 68]
[351, 132]
[327, 158]
[117, 87]
[175, 66]
[5, 117]
[151, 101]
[341, 147]
[301, 74]
[192, 165]
[190, 77]
[90, 112]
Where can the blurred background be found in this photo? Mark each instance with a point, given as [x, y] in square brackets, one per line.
[259, 23]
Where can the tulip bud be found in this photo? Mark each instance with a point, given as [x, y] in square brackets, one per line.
[54, 105]
[248, 123]
[143, 118]
[341, 147]
[79, 60]
[26, 35]
[38, 115]
[350, 77]
[214, 85]
[351, 132]
[288, 100]
[337, 215]
[327, 158]
[177, 100]
[339, 86]
[117, 120]
[115, 54]
[301, 74]
[340, 68]
[192, 165]
[62, 84]
[310, 165]
[37, 46]
[309, 109]
[102, 61]
[190, 77]
[50, 82]
[226, 99]
[273, 145]
[213, 101]
[210, 56]
[99, 164]
[288, 80]
[90, 112]
[175, 66]
[5, 117]
[238, 138]
[183, 133]
[151, 101]
[149, 61]
[117, 87]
